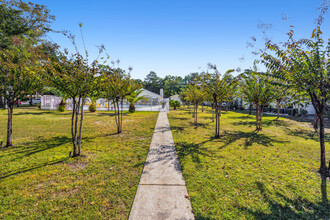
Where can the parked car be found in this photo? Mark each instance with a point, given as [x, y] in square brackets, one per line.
[19, 102]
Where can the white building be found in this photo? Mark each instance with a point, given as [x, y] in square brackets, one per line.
[176, 97]
[155, 102]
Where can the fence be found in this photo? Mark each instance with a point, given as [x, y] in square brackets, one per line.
[50, 102]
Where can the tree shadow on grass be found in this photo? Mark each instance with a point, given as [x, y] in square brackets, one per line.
[250, 138]
[40, 145]
[291, 208]
[177, 118]
[110, 114]
[185, 149]
[41, 112]
[33, 167]
[203, 125]
[177, 128]
[307, 134]
[241, 117]
[265, 123]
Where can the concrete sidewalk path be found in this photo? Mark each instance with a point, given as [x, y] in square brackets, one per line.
[162, 192]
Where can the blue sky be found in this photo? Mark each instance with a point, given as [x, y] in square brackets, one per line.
[179, 37]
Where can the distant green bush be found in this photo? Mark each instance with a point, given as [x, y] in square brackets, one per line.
[131, 108]
[61, 106]
[175, 104]
[92, 107]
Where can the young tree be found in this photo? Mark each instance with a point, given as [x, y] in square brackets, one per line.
[22, 26]
[260, 92]
[219, 88]
[73, 77]
[305, 66]
[117, 85]
[196, 95]
[19, 68]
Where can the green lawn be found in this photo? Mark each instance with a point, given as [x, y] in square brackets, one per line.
[271, 174]
[38, 180]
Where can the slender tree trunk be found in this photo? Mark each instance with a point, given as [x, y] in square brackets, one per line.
[219, 121]
[212, 109]
[216, 121]
[81, 124]
[193, 115]
[31, 101]
[278, 109]
[121, 115]
[75, 153]
[10, 125]
[108, 105]
[202, 108]
[226, 106]
[114, 105]
[72, 124]
[323, 168]
[196, 106]
[257, 117]
[250, 109]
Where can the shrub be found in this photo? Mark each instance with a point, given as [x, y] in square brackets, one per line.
[131, 108]
[92, 107]
[61, 106]
[175, 104]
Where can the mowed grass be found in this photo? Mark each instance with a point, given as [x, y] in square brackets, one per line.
[271, 174]
[39, 180]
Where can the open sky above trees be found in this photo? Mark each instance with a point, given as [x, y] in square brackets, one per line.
[179, 37]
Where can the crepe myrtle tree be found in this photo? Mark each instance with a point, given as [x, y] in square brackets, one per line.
[219, 88]
[305, 66]
[116, 85]
[74, 75]
[258, 90]
[282, 92]
[74, 78]
[19, 73]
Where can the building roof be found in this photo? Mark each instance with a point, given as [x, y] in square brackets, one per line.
[147, 92]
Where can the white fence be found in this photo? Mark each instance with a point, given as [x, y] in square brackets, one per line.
[50, 102]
